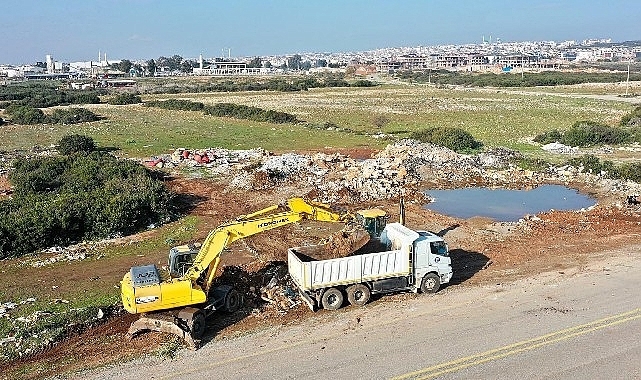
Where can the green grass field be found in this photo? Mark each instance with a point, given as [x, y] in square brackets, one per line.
[497, 118]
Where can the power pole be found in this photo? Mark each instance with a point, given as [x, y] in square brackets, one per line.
[627, 86]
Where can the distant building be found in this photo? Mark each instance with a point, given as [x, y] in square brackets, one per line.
[220, 67]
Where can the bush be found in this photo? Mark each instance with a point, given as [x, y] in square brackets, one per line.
[549, 137]
[633, 119]
[72, 116]
[25, 115]
[61, 200]
[592, 164]
[589, 133]
[176, 104]
[45, 94]
[125, 98]
[456, 139]
[630, 171]
[76, 143]
[251, 113]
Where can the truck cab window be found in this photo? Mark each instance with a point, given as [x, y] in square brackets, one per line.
[439, 248]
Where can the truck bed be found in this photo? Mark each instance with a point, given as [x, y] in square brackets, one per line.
[311, 274]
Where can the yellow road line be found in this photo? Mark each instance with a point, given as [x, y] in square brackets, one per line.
[515, 348]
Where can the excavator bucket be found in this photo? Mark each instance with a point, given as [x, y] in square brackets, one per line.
[345, 242]
[166, 325]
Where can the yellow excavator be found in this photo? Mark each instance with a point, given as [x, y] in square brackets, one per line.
[180, 299]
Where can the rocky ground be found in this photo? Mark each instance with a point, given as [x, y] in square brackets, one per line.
[230, 183]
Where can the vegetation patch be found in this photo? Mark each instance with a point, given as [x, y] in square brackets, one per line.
[28, 115]
[287, 84]
[176, 104]
[456, 139]
[627, 171]
[240, 111]
[516, 79]
[590, 133]
[125, 98]
[633, 119]
[43, 95]
[61, 200]
[75, 144]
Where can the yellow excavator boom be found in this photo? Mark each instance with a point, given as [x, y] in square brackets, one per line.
[144, 289]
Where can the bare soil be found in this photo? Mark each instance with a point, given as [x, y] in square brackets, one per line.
[482, 252]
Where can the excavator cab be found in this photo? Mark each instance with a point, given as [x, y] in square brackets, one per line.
[181, 258]
[372, 220]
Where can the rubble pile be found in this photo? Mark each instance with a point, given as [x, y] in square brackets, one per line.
[405, 167]
[279, 292]
[218, 159]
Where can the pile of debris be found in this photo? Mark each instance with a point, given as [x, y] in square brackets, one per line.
[559, 148]
[403, 168]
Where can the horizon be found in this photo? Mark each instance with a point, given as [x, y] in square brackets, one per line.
[147, 29]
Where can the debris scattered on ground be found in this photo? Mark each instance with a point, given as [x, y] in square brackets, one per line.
[559, 148]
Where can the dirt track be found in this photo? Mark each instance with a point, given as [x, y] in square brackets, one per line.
[482, 251]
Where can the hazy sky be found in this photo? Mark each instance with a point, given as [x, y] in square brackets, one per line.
[73, 30]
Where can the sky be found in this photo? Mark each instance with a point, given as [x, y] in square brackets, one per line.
[76, 30]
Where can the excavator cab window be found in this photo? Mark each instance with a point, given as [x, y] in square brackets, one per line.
[180, 260]
[373, 221]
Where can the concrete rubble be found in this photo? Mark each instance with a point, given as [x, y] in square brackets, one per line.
[405, 167]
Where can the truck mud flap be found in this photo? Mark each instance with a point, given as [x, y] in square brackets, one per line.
[308, 300]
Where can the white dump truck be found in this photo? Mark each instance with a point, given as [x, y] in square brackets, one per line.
[407, 260]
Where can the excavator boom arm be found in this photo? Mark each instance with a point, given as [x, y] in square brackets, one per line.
[206, 262]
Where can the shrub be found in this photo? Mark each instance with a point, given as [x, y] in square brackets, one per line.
[76, 143]
[176, 104]
[363, 83]
[72, 116]
[633, 119]
[60, 200]
[589, 133]
[25, 115]
[630, 171]
[549, 137]
[251, 113]
[592, 164]
[125, 98]
[456, 139]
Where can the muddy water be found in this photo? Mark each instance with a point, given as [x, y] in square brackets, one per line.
[506, 205]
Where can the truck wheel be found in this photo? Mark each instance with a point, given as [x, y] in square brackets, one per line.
[332, 299]
[233, 301]
[358, 295]
[197, 325]
[430, 284]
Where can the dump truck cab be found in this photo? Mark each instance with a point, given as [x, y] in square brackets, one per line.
[373, 221]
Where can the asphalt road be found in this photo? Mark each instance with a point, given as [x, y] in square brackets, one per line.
[565, 325]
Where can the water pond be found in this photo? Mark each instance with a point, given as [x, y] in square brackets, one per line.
[506, 205]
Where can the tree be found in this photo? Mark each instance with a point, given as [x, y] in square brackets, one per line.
[268, 65]
[321, 63]
[187, 66]
[255, 63]
[174, 62]
[294, 62]
[138, 68]
[124, 65]
[76, 143]
[151, 67]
